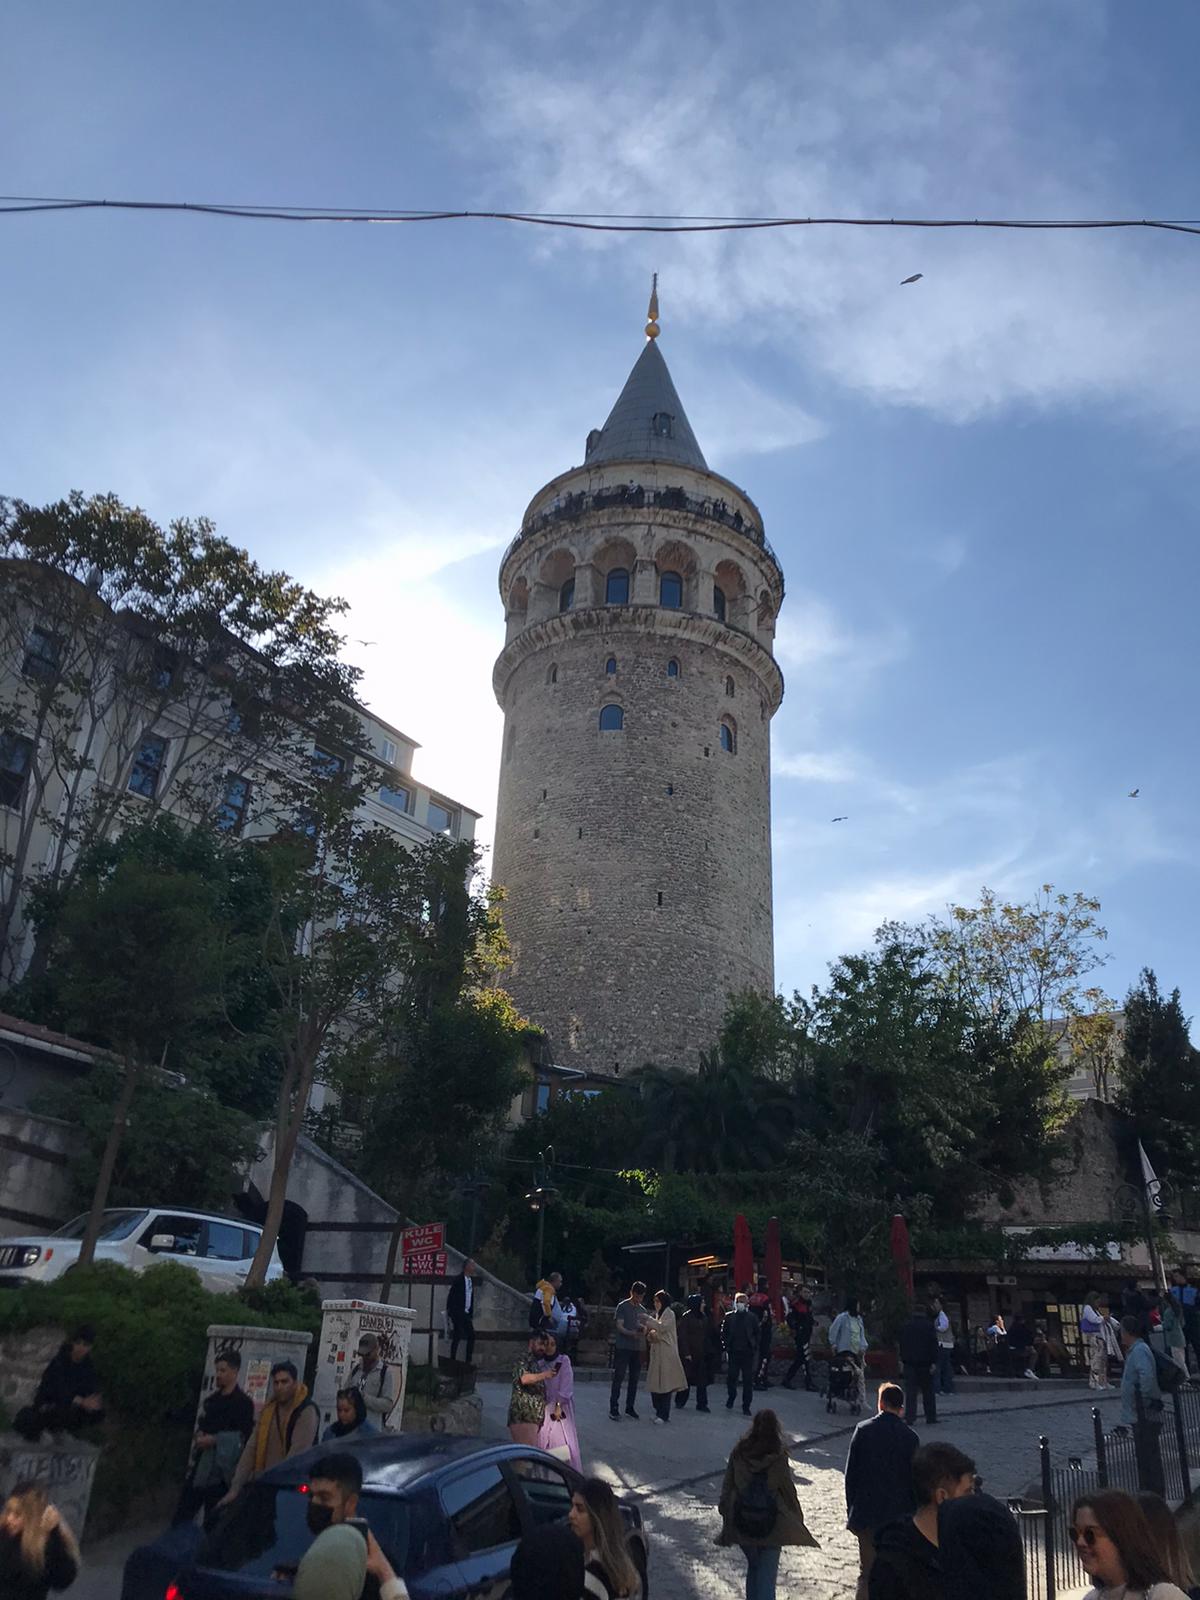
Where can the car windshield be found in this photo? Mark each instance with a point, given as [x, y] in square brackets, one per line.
[266, 1531]
[115, 1225]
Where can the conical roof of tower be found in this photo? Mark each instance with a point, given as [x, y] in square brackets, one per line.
[648, 422]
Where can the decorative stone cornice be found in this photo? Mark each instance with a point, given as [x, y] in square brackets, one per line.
[658, 621]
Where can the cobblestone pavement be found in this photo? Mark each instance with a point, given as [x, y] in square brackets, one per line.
[676, 1471]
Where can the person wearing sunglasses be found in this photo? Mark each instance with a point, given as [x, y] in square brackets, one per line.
[1117, 1550]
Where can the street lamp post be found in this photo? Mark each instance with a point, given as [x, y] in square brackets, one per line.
[539, 1197]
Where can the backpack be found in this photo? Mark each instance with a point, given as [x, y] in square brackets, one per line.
[1170, 1376]
[755, 1510]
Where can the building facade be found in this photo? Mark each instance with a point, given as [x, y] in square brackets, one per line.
[638, 683]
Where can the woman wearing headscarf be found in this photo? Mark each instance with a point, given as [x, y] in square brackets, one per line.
[557, 1433]
[666, 1376]
[37, 1550]
[352, 1420]
[979, 1550]
[700, 1352]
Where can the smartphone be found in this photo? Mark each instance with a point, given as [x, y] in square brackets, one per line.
[361, 1524]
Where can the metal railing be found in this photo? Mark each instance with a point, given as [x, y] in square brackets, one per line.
[634, 497]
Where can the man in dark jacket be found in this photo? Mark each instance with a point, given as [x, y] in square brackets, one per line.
[460, 1308]
[700, 1352]
[879, 1484]
[800, 1321]
[907, 1565]
[68, 1396]
[918, 1357]
[739, 1335]
[226, 1422]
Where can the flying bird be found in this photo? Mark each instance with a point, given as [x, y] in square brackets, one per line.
[1133, 793]
[915, 278]
[367, 642]
[839, 819]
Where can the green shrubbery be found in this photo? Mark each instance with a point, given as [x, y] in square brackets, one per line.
[151, 1340]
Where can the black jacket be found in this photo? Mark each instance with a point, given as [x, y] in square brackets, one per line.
[801, 1324]
[18, 1583]
[879, 1473]
[228, 1413]
[979, 1547]
[918, 1343]
[456, 1300]
[906, 1565]
[65, 1380]
[739, 1333]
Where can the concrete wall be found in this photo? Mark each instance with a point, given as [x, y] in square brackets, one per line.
[35, 1154]
[1085, 1181]
[346, 1239]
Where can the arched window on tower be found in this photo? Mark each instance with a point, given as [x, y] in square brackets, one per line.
[729, 687]
[670, 591]
[662, 425]
[610, 666]
[566, 595]
[616, 587]
[552, 675]
[672, 668]
[612, 719]
[729, 736]
[718, 602]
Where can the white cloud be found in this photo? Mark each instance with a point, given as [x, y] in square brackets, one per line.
[815, 766]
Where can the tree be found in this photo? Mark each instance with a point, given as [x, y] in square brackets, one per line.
[138, 960]
[725, 1117]
[1160, 1079]
[143, 669]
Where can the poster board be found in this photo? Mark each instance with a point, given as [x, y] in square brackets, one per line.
[343, 1323]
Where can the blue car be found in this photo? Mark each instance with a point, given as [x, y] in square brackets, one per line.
[447, 1512]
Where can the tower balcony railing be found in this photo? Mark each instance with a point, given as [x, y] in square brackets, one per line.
[633, 497]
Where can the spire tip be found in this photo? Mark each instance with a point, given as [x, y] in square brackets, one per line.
[652, 328]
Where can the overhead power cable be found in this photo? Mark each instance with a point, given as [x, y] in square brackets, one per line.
[592, 222]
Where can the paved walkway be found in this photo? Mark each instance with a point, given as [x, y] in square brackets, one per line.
[676, 1471]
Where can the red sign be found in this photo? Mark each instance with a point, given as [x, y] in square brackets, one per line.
[425, 1264]
[427, 1236]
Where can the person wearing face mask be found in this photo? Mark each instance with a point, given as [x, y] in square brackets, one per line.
[1117, 1550]
[906, 1564]
[344, 1561]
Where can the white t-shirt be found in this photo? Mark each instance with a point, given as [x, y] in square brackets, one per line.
[1156, 1591]
[945, 1335]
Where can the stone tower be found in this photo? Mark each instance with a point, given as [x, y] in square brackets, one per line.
[638, 683]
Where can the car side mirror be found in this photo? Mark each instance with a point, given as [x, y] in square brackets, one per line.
[162, 1241]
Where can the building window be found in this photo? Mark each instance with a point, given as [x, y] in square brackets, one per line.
[718, 602]
[326, 764]
[729, 687]
[542, 1098]
[389, 752]
[16, 758]
[670, 591]
[552, 675]
[612, 719]
[164, 667]
[43, 654]
[439, 817]
[616, 587]
[231, 813]
[610, 666]
[672, 668]
[728, 736]
[397, 799]
[662, 425]
[147, 767]
[566, 595]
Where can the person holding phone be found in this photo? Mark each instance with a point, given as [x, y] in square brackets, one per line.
[345, 1551]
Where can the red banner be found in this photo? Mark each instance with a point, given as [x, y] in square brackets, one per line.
[425, 1264]
[426, 1236]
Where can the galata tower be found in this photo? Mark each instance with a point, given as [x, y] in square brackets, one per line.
[638, 683]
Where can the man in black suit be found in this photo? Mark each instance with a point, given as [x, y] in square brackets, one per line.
[918, 1357]
[739, 1335]
[460, 1307]
[879, 1482]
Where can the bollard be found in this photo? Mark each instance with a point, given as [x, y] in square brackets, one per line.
[1184, 1473]
[1051, 1508]
[1101, 1448]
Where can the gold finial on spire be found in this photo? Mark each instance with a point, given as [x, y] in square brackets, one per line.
[652, 328]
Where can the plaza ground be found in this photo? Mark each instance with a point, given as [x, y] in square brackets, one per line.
[675, 1473]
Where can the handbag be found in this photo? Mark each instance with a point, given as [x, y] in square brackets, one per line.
[554, 1429]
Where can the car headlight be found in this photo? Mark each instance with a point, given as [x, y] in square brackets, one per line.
[28, 1255]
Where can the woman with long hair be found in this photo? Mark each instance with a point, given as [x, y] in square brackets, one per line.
[666, 1377]
[759, 1508]
[37, 1550]
[352, 1420]
[1117, 1549]
[596, 1521]
[558, 1433]
[1164, 1530]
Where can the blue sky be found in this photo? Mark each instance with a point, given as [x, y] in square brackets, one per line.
[981, 487]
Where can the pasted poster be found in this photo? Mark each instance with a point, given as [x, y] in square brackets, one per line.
[343, 1323]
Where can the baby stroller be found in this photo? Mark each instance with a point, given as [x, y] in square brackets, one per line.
[841, 1383]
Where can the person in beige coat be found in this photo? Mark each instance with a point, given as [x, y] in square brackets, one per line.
[760, 1510]
[666, 1375]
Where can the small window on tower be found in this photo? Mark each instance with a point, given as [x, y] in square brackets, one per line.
[663, 425]
[670, 591]
[728, 736]
[616, 587]
[672, 668]
[718, 602]
[729, 687]
[552, 675]
[612, 719]
[610, 666]
[566, 595]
